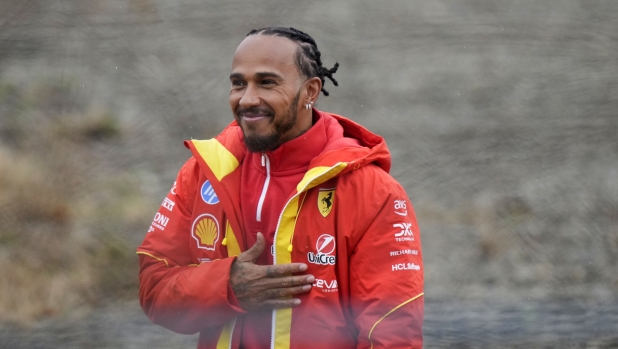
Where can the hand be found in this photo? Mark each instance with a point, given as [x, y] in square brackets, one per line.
[261, 287]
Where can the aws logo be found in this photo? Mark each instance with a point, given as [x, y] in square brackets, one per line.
[326, 198]
[205, 231]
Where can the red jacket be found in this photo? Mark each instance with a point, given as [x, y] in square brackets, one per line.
[347, 219]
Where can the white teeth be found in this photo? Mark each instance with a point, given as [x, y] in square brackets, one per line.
[253, 117]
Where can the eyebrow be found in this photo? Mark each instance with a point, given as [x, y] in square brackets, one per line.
[267, 74]
[236, 76]
[260, 75]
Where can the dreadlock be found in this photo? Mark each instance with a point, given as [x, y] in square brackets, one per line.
[307, 57]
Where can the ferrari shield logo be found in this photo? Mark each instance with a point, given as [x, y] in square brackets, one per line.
[326, 198]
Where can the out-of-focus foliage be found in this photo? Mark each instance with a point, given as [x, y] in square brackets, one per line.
[62, 239]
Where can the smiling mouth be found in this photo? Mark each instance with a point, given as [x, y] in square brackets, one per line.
[251, 118]
[250, 115]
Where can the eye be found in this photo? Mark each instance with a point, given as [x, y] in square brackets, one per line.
[268, 82]
[237, 83]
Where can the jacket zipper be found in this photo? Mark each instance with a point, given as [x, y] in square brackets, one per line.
[266, 163]
[299, 191]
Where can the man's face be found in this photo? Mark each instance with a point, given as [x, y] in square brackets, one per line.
[266, 88]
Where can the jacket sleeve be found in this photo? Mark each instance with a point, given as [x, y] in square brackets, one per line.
[386, 271]
[175, 293]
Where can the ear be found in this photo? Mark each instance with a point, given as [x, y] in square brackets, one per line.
[313, 86]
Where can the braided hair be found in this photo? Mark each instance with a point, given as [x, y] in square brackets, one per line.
[307, 57]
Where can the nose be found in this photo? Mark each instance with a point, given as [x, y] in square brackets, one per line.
[250, 98]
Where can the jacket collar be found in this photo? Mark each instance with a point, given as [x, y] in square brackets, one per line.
[345, 142]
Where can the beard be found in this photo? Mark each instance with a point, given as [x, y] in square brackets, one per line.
[281, 125]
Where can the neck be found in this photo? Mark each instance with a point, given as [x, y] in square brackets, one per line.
[304, 123]
[306, 117]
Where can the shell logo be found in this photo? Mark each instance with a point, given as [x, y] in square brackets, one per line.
[205, 231]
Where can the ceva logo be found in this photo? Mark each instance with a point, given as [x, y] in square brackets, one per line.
[325, 246]
[325, 285]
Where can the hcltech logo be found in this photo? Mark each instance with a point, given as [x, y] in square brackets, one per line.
[208, 194]
[405, 266]
[325, 246]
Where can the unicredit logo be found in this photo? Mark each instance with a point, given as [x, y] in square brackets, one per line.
[320, 258]
[325, 246]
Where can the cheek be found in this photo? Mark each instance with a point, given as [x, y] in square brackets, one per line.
[280, 104]
[234, 100]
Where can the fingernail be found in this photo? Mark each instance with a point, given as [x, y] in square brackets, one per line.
[306, 287]
[303, 267]
[311, 278]
[296, 301]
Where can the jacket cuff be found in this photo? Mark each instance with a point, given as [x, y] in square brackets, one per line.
[233, 301]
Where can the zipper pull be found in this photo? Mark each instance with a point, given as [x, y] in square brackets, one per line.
[263, 159]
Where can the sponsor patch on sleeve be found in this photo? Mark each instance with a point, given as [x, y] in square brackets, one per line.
[405, 266]
[400, 207]
[160, 221]
[404, 232]
[169, 204]
[208, 194]
[205, 231]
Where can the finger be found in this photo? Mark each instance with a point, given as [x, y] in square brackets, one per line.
[277, 293]
[287, 281]
[291, 281]
[255, 251]
[278, 270]
[269, 286]
[280, 303]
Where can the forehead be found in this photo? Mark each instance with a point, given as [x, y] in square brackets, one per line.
[265, 53]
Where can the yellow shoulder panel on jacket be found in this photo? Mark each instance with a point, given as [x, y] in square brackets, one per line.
[220, 160]
[319, 174]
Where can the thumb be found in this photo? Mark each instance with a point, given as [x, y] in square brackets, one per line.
[255, 251]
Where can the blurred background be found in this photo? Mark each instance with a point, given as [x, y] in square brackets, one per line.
[501, 116]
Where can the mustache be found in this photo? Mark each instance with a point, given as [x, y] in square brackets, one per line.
[254, 110]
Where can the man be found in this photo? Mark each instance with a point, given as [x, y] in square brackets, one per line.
[286, 230]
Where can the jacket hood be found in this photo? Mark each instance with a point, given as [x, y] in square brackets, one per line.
[357, 146]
